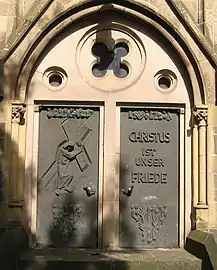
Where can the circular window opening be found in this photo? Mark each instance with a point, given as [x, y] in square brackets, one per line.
[110, 60]
[165, 81]
[55, 78]
[122, 71]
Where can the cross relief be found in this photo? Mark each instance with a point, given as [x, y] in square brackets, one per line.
[110, 60]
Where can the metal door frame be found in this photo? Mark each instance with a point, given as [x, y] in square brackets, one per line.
[31, 163]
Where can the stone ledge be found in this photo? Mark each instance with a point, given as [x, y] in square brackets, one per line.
[115, 260]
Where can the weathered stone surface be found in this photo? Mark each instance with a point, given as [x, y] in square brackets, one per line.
[123, 260]
[192, 7]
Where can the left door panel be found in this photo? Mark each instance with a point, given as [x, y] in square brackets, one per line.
[68, 162]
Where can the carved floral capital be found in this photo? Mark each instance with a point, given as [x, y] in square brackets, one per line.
[200, 115]
[18, 112]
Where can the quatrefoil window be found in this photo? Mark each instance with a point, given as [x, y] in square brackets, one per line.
[110, 60]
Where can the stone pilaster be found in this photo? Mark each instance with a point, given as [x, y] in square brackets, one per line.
[200, 157]
[200, 200]
[17, 154]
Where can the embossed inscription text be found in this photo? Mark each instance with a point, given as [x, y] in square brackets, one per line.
[149, 162]
[151, 177]
[150, 115]
[150, 137]
[148, 157]
[69, 113]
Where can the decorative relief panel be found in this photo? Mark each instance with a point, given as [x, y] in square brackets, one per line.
[18, 112]
[149, 179]
[200, 115]
[68, 176]
[65, 218]
[149, 220]
[67, 151]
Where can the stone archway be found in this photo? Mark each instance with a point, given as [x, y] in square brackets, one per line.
[129, 80]
[186, 53]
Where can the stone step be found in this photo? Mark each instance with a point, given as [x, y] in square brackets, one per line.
[67, 259]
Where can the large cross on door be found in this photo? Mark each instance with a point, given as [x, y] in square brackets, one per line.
[70, 149]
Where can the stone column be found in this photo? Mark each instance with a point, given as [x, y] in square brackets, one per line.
[201, 116]
[195, 161]
[17, 155]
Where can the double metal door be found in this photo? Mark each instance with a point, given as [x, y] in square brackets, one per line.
[68, 177]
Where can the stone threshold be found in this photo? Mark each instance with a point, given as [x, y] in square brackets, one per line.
[58, 254]
[96, 259]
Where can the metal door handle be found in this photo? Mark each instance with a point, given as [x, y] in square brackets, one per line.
[129, 191]
[89, 191]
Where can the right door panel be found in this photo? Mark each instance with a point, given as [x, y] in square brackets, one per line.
[149, 179]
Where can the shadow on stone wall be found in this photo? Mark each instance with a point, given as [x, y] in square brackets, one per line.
[15, 220]
[13, 232]
[16, 233]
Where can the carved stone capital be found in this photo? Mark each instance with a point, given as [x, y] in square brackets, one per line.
[200, 114]
[18, 112]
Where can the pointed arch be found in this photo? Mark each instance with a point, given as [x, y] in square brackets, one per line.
[142, 12]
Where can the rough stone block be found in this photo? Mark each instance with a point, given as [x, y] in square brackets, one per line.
[202, 245]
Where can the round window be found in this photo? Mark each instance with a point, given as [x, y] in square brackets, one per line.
[105, 57]
[55, 78]
[165, 80]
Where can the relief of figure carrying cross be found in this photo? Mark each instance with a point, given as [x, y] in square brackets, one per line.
[68, 151]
